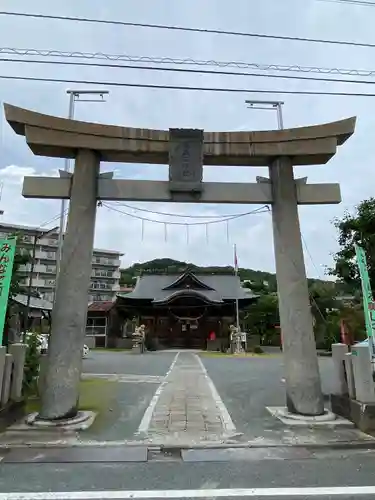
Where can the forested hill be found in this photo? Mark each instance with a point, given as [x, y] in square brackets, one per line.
[161, 266]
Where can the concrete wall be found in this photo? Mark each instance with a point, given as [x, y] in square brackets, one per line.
[12, 364]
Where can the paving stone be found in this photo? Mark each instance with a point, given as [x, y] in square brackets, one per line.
[189, 404]
[224, 455]
[77, 454]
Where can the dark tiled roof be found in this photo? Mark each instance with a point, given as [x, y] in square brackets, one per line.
[35, 302]
[224, 287]
[100, 306]
[207, 295]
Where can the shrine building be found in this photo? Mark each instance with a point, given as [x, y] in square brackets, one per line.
[181, 310]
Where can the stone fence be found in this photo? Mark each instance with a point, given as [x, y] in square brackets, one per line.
[12, 364]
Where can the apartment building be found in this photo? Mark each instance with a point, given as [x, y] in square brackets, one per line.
[105, 276]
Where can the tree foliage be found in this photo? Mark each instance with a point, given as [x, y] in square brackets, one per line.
[32, 363]
[262, 318]
[358, 227]
[256, 280]
[21, 258]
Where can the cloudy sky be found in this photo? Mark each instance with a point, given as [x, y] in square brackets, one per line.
[352, 166]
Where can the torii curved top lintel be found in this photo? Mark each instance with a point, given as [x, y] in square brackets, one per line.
[61, 137]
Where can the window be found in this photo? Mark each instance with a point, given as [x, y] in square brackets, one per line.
[103, 273]
[100, 285]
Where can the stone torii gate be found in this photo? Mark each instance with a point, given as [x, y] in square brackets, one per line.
[186, 151]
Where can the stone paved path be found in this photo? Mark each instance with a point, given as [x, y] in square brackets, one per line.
[189, 408]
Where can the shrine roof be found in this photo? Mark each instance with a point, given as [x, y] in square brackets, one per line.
[220, 287]
[103, 306]
[35, 302]
[209, 296]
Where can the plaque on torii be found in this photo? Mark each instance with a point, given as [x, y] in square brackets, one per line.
[186, 152]
[185, 163]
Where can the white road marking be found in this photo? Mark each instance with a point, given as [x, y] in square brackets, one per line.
[228, 424]
[124, 378]
[201, 493]
[146, 419]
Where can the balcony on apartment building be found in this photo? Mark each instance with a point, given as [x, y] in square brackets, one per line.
[102, 286]
[104, 273]
[45, 255]
[105, 261]
[96, 261]
[51, 269]
[40, 283]
[38, 269]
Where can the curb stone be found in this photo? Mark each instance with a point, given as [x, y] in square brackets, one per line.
[365, 444]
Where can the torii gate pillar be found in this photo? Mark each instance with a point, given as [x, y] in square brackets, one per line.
[302, 380]
[69, 315]
[186, 152]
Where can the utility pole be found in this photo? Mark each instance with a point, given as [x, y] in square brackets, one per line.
[303, 386]
[74, 96]
[269, 106]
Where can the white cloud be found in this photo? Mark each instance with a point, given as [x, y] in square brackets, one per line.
[161, 109]
[15, 174]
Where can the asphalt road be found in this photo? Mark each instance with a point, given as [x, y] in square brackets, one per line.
[152, 363]
[246, 387]
[126, 402]
[249, 385]
[340, 471]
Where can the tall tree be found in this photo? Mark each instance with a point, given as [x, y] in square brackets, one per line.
[262, 318]
[21, 257]
[357, 227]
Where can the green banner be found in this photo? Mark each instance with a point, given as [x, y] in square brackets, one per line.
[368, 301]
[7, 252]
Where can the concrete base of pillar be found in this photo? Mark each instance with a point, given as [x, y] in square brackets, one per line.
[361, 414]
[138, 349]
[82, 421]
[328, 419]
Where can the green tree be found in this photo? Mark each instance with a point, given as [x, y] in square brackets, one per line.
[358, 227]
[323, 299]
[262, 318]
[21, 257]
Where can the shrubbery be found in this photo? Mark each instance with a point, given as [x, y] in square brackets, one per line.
[32, 361]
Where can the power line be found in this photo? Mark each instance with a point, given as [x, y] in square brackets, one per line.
[182, 87]
[49, 221]
[187, 29]
[362, 3]
[182, 62]
[184, 70]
